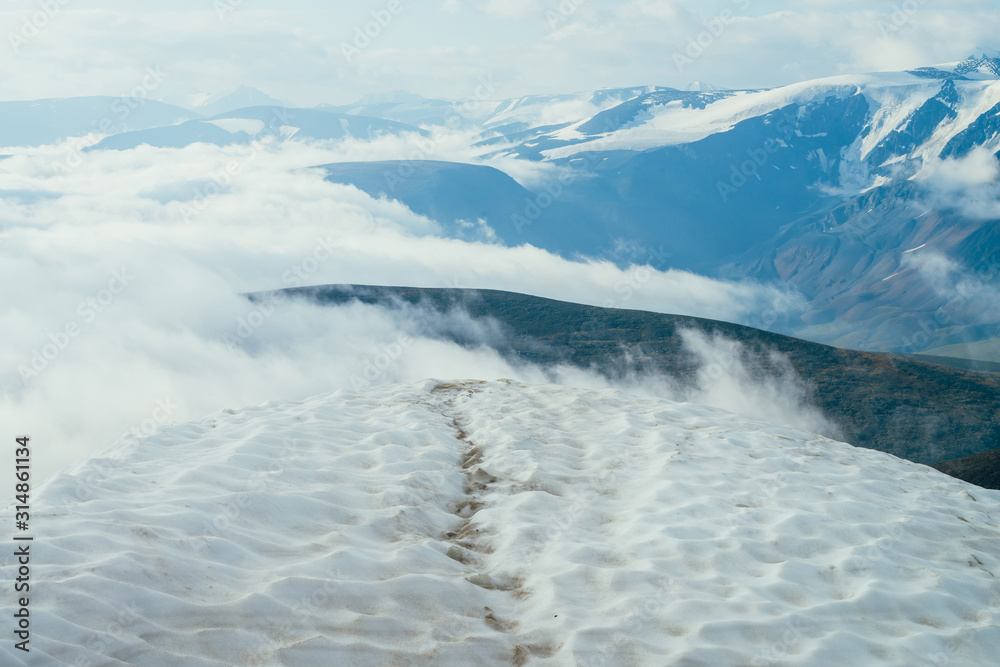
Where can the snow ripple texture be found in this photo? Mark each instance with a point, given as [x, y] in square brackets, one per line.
[470, 523]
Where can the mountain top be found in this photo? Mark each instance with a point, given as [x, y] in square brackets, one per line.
[238, 98]
[701, 86]
[497, 523]
[987, 64]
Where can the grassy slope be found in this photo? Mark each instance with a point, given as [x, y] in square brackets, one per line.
[982, 469]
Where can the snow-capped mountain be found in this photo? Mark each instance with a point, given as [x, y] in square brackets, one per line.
[936, 117]
[497, 117]
[828, 186]
[983, 64]
[509, 117]
[471, 523]
[246, 125]
[844, 188]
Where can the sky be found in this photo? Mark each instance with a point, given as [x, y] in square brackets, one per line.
[308, 52]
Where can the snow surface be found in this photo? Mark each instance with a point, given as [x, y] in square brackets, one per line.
[975, 99]
[538, 110]
[893, 97]
[673, 123]
[474, 523]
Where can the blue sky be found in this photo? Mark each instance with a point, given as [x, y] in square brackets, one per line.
[295, 49]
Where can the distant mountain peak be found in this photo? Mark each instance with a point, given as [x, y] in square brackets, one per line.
[987, 62]
[240, 91]
[700, 87]
[983, 53]
[985, 65]
[237, 98]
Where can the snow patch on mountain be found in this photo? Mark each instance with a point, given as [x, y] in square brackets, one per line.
[911, 120]
[544, 110]
[892, 106]
[461, 523]
[675, 122]
[976, 99]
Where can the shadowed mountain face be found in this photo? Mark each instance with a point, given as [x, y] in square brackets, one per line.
[867, 269]
[710, 199]
[49, 121]
[458, 195]
[919, 411]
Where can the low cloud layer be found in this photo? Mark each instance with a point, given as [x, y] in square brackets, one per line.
[729, 378]
[969, 185]
[121, 280]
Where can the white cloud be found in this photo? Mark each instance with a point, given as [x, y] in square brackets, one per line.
[969, 185]
[725, 380]
[105, 359]
[293, 50]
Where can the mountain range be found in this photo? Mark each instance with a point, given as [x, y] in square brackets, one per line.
[872, 196]
[826, 186]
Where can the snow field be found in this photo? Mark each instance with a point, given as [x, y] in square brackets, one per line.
[468, 523]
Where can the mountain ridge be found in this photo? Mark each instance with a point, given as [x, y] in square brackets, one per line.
[923, 412]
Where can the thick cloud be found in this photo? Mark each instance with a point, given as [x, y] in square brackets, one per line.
[295, 50]
[121, 275]
[725, 381]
